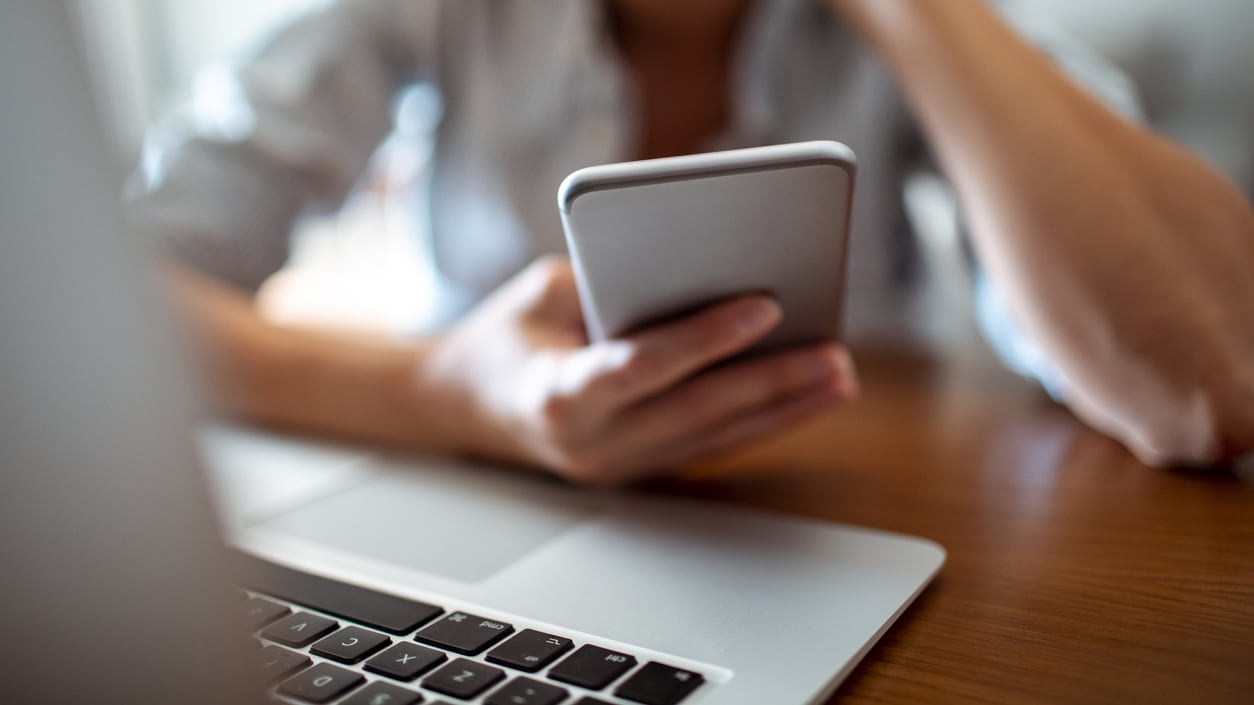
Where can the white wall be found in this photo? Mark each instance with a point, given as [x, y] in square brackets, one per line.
[190, 33]
[146, 52]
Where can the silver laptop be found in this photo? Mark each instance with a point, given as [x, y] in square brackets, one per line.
[353, 578]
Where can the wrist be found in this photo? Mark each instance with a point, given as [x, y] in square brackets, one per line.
[435, 412]
[443, 397]
[366, 389]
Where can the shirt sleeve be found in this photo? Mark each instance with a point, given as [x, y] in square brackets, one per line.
[1017, 350]
[288, 129]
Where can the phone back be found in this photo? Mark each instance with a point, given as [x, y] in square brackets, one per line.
[654, 239]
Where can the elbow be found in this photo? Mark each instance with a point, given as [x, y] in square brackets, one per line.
[1232, 408]
[1198, 424]
[1186, 434]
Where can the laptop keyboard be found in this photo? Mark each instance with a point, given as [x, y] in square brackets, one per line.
[322, 641]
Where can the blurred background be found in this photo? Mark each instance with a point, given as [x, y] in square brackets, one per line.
[1191, 63]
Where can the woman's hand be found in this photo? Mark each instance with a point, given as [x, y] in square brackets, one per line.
[532, 390]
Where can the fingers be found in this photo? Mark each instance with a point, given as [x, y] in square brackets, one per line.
[746, 430]
[714, 398]
[712, 410]
[609, 412]
[630, 370]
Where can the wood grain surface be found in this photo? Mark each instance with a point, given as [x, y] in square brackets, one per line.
[1075, 574]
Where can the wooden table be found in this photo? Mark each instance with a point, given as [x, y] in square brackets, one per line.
[1075, 574]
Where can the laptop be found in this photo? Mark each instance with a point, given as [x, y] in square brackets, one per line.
[347, 576]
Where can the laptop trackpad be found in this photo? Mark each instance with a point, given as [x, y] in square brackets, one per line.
[459, 522]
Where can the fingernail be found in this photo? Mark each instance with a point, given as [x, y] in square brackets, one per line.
[823, 367]
[846, 375]
[757, 316]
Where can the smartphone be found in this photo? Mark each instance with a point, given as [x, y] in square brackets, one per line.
[655, 239]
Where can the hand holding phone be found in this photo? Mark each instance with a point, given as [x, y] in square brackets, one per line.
[530, 388]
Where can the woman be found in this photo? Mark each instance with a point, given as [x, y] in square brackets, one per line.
[1126, 260]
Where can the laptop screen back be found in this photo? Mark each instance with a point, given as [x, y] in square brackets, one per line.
[113, 587]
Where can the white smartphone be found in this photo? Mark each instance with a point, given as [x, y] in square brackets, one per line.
[658, 238]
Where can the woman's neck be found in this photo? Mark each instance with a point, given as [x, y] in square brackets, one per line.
[679, 54]
[677, 27]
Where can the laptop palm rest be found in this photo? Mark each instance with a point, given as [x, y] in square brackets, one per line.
[460, 523]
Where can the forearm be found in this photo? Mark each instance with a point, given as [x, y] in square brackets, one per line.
[1129, 260]
[352, 387]
[1041, 166]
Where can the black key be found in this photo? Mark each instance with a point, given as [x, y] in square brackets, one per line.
[260, 611]
[300, 629]
[276, 662]
[524, 691]
[350, 645]
[659, 684]
[321, 683]
[405, 661]
[464, 633]
[380, 693]
[591, 701]
[388, 613]
[530, 650]
[592, 667]
[463, 679]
